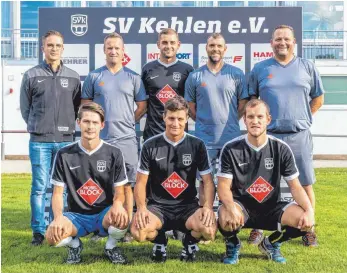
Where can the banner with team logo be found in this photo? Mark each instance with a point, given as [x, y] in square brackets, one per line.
[247, 31]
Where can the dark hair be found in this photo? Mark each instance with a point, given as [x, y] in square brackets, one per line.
[51, 33]
[255, 102]
[166, 31]
[91, 107]
[175, 104]
[215, 36]
[281, 27]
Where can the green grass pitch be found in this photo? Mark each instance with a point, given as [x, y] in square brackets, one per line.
[331, 256]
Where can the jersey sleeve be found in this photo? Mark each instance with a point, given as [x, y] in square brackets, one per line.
[139, 89]
[226, 168]
[241, 87]
[317, 88]
[88, 88]
[253, 83]
[58, 176]
[120, 175]
[289, 171]
[204, 165]
[143, 165]
[190, 89]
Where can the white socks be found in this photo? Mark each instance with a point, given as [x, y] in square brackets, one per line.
[69, 242]
[114, 235]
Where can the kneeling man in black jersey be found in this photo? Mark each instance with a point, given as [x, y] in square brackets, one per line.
[166, 177]
[249, 177]
[94, 174]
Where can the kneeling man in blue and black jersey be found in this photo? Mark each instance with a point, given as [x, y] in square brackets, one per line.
[249, 177]
[94, 174]
[166, 177]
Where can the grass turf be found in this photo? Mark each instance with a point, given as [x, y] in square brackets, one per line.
[331, 255]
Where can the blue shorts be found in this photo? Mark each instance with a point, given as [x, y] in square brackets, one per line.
[302, 146]
[88, 223]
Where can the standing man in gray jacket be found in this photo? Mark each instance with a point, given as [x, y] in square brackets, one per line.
[49, 99]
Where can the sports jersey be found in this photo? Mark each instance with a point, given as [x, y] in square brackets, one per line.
[116, 93]
[89, 176]
[162, 82]
[172, 168]
[216, 97]
[256, 171]
[288, 90]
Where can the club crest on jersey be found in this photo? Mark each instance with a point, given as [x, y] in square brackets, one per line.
[176, 76]
[64, 83]
[90, 191]
[79, 24]
[187, 159]
[174, 185]
[101, 165]
[166, 93]
[269, 163]
[260, 189]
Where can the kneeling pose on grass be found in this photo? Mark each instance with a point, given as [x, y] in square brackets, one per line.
[94, 174]
[249, 177]
[166, 177]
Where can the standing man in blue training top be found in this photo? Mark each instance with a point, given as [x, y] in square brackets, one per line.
[292, 87]
[49, 98]
[217, 94]
[117, 89]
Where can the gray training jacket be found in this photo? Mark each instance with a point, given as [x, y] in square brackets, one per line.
[49, 102]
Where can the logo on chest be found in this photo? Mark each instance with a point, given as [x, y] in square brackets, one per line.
[174, 185]
[165, 94]
[101, 165]
[64, 83]
[260, 189]
[187, 159]
[269, 163]
[176, 76]
[90, 191]
[126, 59]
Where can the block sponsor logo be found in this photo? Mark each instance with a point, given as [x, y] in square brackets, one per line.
[166, 93]
[235, 55]
[184, 54]
[79, 24]
[175, 185]
[90, 191]
[131, 59]
[260, 189]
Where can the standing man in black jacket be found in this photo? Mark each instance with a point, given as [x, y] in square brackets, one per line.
[49, 99]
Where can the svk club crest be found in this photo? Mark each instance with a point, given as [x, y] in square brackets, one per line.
[101, 165]
[187, 159]
[176, 76]
[79, 24]
[64, 83]
[269, 163]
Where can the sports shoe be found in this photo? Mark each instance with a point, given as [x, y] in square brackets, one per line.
[310, 239]
[115, 255]
[188, 253]
[159, 253]
[232, 252]
[272, 251]
[127, 238]
[255, 237]
[74, 254]
[96, 238]
[37, 239]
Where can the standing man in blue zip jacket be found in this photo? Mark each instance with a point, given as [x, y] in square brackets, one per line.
[49, 99]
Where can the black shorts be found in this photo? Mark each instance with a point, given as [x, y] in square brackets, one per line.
[173, 217]
[267, 220]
